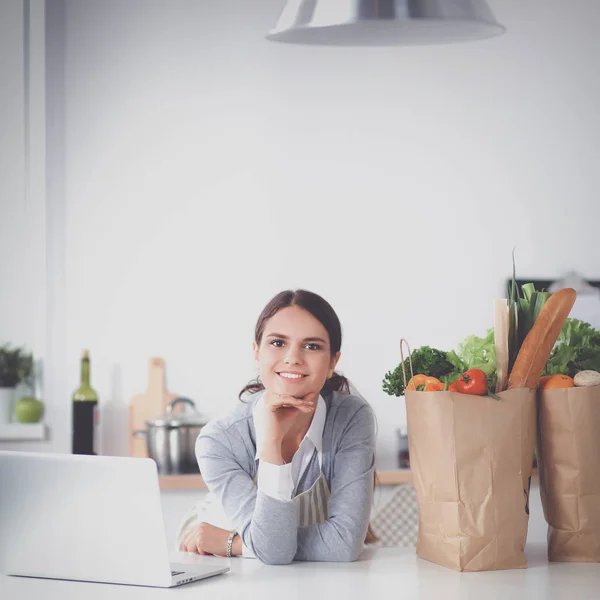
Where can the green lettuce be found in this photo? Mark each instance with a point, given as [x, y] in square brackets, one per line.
[577, 349]
[479, 353]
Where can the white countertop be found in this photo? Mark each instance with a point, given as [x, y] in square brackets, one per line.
[379, 573]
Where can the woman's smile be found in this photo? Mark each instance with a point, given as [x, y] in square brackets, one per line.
[292, 376]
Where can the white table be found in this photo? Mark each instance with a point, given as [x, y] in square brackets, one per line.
[379, 573]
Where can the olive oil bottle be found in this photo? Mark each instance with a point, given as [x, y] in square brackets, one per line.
[85, 412]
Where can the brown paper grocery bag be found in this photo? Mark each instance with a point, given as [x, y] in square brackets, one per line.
[471, 460]
[568, 451]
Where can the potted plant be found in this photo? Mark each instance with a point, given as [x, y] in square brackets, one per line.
[16, 366]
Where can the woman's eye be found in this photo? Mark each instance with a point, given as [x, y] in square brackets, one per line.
[311, 346]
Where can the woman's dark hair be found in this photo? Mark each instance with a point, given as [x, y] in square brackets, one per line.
[319, 308]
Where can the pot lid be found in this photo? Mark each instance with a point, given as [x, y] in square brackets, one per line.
[178, 421]
[190, 417]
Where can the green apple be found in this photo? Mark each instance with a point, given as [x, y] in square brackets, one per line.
[29, 410]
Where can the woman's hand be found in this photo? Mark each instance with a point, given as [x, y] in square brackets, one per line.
[282, 410]
[208, 539]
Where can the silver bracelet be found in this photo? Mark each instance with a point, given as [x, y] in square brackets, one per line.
[232, 534]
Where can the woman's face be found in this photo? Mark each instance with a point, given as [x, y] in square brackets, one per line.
[294, 343]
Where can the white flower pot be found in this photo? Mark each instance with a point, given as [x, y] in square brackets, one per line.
[7, 398]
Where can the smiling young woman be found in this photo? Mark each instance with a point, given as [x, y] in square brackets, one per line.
[291, 470]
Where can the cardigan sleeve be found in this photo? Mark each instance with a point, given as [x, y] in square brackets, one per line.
[267, 526]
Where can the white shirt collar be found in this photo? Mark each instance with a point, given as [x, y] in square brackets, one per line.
[314, 433]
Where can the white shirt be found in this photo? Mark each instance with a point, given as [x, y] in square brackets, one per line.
[280, 481]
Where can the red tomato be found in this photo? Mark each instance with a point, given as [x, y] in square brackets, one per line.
[474, 382]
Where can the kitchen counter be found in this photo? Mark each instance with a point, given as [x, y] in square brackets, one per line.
[195, 482]
[379, 573]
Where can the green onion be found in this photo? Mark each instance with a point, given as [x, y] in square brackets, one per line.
[513, 319]
[523, 310]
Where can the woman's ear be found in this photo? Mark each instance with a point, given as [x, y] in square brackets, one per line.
[255, 348]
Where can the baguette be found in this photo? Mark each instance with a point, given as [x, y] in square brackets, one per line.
[537, 345]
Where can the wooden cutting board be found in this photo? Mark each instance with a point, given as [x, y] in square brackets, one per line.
[150, 404]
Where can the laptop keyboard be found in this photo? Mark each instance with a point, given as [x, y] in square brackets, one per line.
[176, 572]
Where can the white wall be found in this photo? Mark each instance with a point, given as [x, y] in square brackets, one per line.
[18, 288]
[12, 155]
[23, 298]
[196, 170]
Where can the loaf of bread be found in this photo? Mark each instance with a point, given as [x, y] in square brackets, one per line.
[537, 345]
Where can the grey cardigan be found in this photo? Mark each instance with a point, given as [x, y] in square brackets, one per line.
[226, 450]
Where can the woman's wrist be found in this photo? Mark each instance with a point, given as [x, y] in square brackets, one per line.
[236, 548]
[229, 550]
[271, 452]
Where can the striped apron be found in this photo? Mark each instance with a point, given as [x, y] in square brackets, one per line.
[312, 504]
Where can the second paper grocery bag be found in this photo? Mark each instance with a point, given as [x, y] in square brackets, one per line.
[569, 465]
[471, 461]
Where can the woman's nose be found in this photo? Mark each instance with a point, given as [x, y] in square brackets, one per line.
[291, 358]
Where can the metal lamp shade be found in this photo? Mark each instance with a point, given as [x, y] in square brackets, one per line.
[384, 22]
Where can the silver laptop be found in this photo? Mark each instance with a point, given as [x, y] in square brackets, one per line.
[87, 518]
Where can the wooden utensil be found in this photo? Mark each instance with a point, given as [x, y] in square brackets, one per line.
[150, 404]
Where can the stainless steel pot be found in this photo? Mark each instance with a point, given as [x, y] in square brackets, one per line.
[171, 439]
